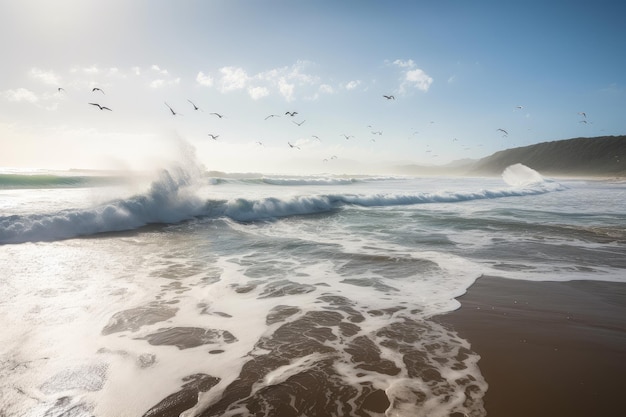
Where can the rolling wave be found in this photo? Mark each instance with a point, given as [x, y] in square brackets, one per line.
[44, 181]
[173, 198]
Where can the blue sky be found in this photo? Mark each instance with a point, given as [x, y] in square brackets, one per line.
[459, 70]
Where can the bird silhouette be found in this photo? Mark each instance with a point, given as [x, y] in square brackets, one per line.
[389, 97]
[217, 114]
[292, 146]
[214, 137]
[100, 107]
[271, 115]
[299, 124]
[97, 89]
[291, 113]
[347, 136]
[172, 110]
[503, 131]
[194, 106]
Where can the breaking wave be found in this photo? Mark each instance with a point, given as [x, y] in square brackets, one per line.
[173, 197]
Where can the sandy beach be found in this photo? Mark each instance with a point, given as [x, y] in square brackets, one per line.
[547, 348]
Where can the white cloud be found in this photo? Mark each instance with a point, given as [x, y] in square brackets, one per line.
[412, 77]
[205, 80]
[404, 63]
[162, 83]
[353, 84]
[91, 70]
[47, 77]
[233, 78]
[136, 70]
[258, 92]
[326, 89]
[286, 89]
[417, 78]
[20, 94]
[158, 69]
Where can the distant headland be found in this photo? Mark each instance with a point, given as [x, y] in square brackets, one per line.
[603, 156]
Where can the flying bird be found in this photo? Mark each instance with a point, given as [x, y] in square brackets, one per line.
[583, 114]
[291, 113]
[93, 90]
[503, 131]
[271, 115]
[61, 90]
[519, 107]
[316, 137]
[101, 107]
[172, 110]
[214, 137]
[292, 146]
[259, 143]
[218, 115]
[347, 136]
[389, 97]
[299, 124]
[194, 106]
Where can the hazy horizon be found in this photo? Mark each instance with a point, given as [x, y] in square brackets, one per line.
[466, 80]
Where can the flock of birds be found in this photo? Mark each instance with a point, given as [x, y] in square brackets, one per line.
[292, 114]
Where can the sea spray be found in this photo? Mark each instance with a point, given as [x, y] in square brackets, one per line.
[170, 198]
[520, 175]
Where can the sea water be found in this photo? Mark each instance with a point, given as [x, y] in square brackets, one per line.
[236, 295]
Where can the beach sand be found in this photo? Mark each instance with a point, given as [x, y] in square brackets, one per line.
[547, 348]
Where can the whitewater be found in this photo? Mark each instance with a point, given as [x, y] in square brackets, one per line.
[181, 292]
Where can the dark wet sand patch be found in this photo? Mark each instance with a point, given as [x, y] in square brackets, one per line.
[547, 348]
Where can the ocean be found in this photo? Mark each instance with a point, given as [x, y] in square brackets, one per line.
[195, 293]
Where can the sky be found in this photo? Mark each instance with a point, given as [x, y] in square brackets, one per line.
[458, 72]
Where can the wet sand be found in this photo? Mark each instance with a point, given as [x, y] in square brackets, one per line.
[547, 348]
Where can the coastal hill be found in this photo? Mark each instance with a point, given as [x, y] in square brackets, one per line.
[603, 156]
[598, 156]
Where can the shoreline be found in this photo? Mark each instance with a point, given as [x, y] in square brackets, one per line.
[547, 348]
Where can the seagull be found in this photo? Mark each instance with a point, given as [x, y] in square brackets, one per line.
[61, 90]
[172, 110]
[347, 136]
[100, 107]
[583, 114]
[194, 106]
[316, 137]
[218, 115]
[214, 137]
[503, 131]
[299, 124]
[292, 146]
[519, 107]
[97, 89]
[389, 97]
[271, 115]
[291, 113]
[259, 143]
[378, 132]
[583, 121]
